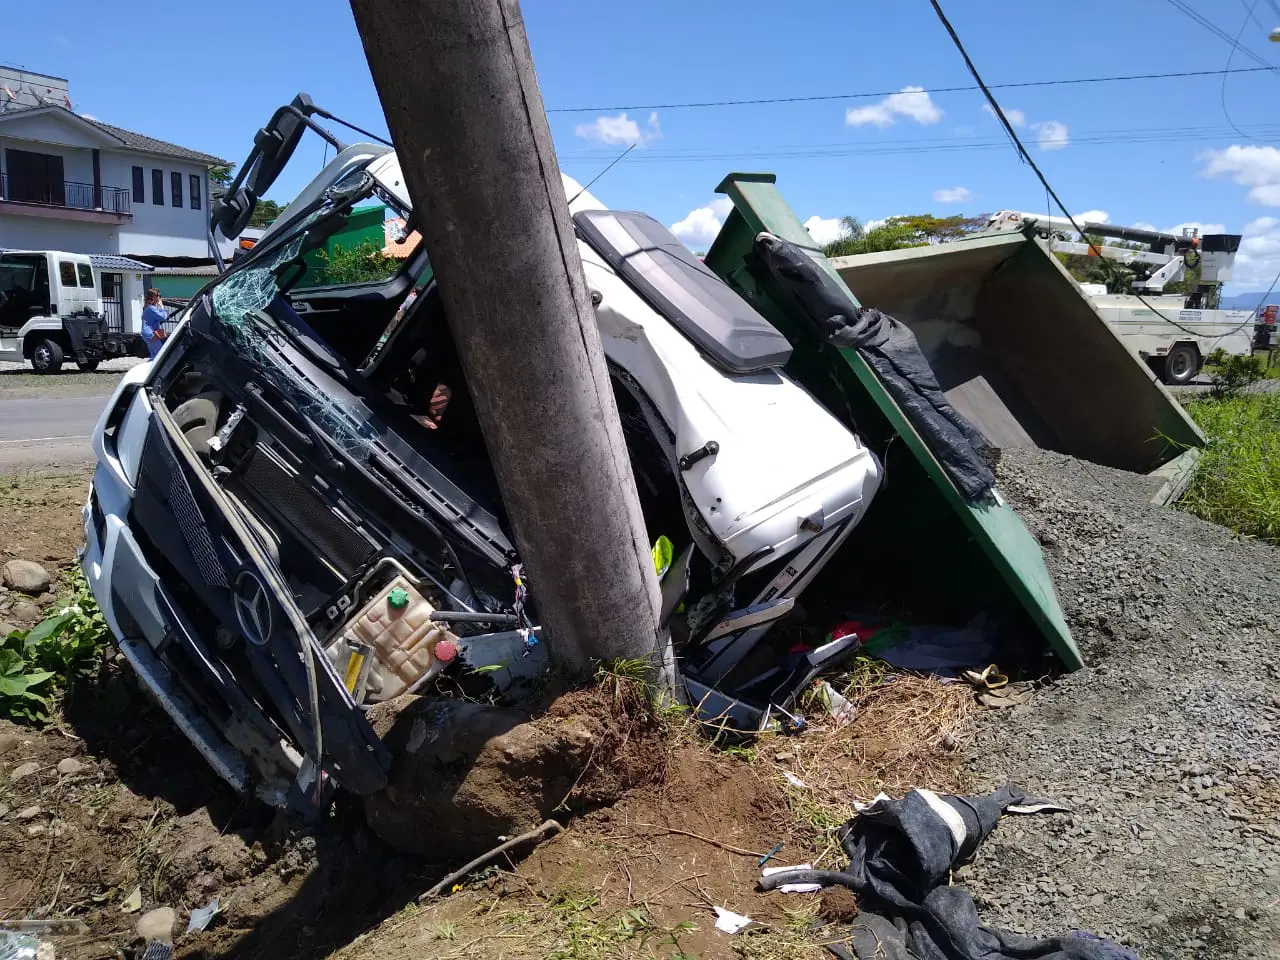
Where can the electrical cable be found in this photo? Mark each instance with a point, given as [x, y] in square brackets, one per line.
[817, 98]
[1218, 32]
[1222, 91]
[1026, 156]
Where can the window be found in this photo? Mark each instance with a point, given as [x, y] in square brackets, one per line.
[139, 194]
[86, 275]
[35, 177]
[175, 183]
[157, 187]
[67, 273]
[195, 192]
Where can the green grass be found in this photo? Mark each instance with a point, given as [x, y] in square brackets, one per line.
[1237, 484]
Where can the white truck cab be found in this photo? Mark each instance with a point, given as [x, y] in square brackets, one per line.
[51, 312]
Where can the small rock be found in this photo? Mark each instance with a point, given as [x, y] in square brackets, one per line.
[1241, 914]
[7, 744]
[7, 627]
[24, 770]
[26, 612]
[4, 810]
[30, 813]
[157, 924]
[784, 757]
[26, 576]
[69, 767]
[36, 829]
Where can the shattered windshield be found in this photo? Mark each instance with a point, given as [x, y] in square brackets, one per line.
[324, 248]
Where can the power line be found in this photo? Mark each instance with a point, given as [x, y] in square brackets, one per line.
[1026, 156]
[1235, 45]
[1183, 7]
[1265, 67]
[903, 145]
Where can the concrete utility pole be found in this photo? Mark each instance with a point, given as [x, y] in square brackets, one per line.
[458, 88]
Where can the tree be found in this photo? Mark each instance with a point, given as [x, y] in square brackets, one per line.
[265, 213]
[363, 263]
[895, 233]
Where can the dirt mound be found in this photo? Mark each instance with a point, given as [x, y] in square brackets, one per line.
[465, 773]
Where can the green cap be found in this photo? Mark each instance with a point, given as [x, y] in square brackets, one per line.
[398, 598]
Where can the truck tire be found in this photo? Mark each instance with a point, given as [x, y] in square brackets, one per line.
[87, 366]
[1181, 365]
[46, 356]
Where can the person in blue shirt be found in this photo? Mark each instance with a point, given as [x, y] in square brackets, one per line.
[153, 318]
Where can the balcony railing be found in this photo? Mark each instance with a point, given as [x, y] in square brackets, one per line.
[73, 196]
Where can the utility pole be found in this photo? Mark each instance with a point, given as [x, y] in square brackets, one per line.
[461, 99]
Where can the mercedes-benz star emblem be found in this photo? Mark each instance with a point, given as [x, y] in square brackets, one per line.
[253, 608]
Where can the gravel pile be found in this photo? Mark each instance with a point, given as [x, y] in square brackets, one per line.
[1167, 747]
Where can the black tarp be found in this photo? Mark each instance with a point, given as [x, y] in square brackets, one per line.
[901, 854]
[890, 349]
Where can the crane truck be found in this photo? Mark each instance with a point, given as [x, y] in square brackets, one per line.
[1173, 333]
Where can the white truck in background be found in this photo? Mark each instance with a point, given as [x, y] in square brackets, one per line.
[1173, 333]
[51, 312]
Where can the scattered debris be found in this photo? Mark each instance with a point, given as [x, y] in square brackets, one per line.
[548, 828]
[837, 707]
[795, 781]
[22, 946]
[729, 922]
[133, 902]
[51, 928]
[773, 852]
[901, 857]
[201, 918]
[28, 813]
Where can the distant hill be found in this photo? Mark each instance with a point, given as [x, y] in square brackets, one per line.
[1247, 301]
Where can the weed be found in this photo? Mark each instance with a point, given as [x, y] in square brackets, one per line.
[1232, 374]
[34, 663]
[444, 930]
[1237, 483]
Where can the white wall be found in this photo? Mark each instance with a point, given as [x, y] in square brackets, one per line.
[53, 128]
[134, 287]
[38, 233]
[163, 231]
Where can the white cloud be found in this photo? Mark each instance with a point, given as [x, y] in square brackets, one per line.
[824, 230]
[1015, 117]
[1257, 168]
[872, 224]
[952, 195]
[1051, 134]
[700, 227]
[1258, 260]
[1093, 216]
[88, 116]
[910, 102]
[1199, 225]
[1143, 225]
[619, 130]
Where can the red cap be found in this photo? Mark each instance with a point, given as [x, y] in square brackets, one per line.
[445, 651]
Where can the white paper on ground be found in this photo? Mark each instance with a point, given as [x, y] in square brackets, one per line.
[729, 922]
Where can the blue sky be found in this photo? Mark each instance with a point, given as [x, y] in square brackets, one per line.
[1157, 152]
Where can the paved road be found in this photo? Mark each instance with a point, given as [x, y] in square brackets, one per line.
[1203, 385]
[47, 431]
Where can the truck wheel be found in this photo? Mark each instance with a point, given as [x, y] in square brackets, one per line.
[1182, 364]
[87, 366]
[46, 357]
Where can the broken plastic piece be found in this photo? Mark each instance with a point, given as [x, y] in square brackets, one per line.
[794, 780]
[836, 705]
[200, 919]
[21, 946]
[729, 922]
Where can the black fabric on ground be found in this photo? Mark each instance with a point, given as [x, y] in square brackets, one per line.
[901, 853]
[891, 350]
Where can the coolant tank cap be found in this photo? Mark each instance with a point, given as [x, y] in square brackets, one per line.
[398, 598]
[445, 651]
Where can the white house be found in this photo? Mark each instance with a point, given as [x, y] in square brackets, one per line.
[68, 182]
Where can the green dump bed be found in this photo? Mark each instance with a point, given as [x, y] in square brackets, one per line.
[921, 545]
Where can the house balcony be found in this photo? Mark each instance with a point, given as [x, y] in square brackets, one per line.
[65, 200]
